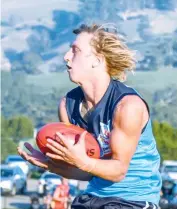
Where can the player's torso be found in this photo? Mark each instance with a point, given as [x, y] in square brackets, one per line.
[143, 174]
[62, 191]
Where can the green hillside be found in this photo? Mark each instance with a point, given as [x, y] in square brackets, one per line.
[48, 81]
[154, 80]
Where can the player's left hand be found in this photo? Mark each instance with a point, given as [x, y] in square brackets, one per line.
[35, 157]
[72, 154]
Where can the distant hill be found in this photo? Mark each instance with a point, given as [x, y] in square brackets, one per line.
[35, 35]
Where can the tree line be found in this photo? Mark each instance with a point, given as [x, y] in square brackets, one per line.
[12, 131]
[166, 138]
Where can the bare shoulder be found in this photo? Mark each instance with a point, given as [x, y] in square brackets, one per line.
[62, 112]
[63, 102]
[130, 103]
[131, 110]
[132, 100]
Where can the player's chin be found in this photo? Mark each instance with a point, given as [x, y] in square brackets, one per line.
[73, 78]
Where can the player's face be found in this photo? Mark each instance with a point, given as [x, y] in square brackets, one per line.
[80, 58]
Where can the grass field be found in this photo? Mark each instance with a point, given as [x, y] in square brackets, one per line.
[153, 81]
[150, 81]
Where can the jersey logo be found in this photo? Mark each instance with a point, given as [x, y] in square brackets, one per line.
[103, 138]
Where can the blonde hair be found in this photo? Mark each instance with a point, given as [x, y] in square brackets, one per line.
[119, 58]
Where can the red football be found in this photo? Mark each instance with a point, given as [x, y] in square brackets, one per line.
[72, 132]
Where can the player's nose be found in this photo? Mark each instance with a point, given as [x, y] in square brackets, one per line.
[67, 56]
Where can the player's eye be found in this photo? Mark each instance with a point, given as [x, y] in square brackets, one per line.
[75, 50]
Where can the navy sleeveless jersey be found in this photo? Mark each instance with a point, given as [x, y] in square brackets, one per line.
[143, 180]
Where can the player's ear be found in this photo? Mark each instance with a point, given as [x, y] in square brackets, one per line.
[99, 59]
[95, 63]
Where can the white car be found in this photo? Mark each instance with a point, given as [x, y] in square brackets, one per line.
[17, 160]
[169, 167]
[13, 180]
[47, 178]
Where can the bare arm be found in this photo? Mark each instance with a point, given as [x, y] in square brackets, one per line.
[68, 171]
[129, 118]
[62, 113]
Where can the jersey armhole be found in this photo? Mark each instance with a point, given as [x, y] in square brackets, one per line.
[147, 106]
[134, 93]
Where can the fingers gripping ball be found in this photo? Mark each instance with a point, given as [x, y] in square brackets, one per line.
[72, 133]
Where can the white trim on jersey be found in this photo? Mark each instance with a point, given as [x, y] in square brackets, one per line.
[154, 207]
[147, 205]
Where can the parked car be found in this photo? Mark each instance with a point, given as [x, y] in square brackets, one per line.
[13, 180]
[168, 197]
[37, 169]
[17, 160]
[47, 178]
[169, 168]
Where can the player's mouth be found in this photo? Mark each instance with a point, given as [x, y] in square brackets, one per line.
[69, 68]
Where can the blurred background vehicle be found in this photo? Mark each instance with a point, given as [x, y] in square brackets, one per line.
[13, 180]
[16, 160]
[168, 199]
[37, 169]
[169, 167]
[47, 179]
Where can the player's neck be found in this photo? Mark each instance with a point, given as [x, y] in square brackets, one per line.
[94, 90]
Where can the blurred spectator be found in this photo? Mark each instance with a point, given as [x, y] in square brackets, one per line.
[59, 196]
